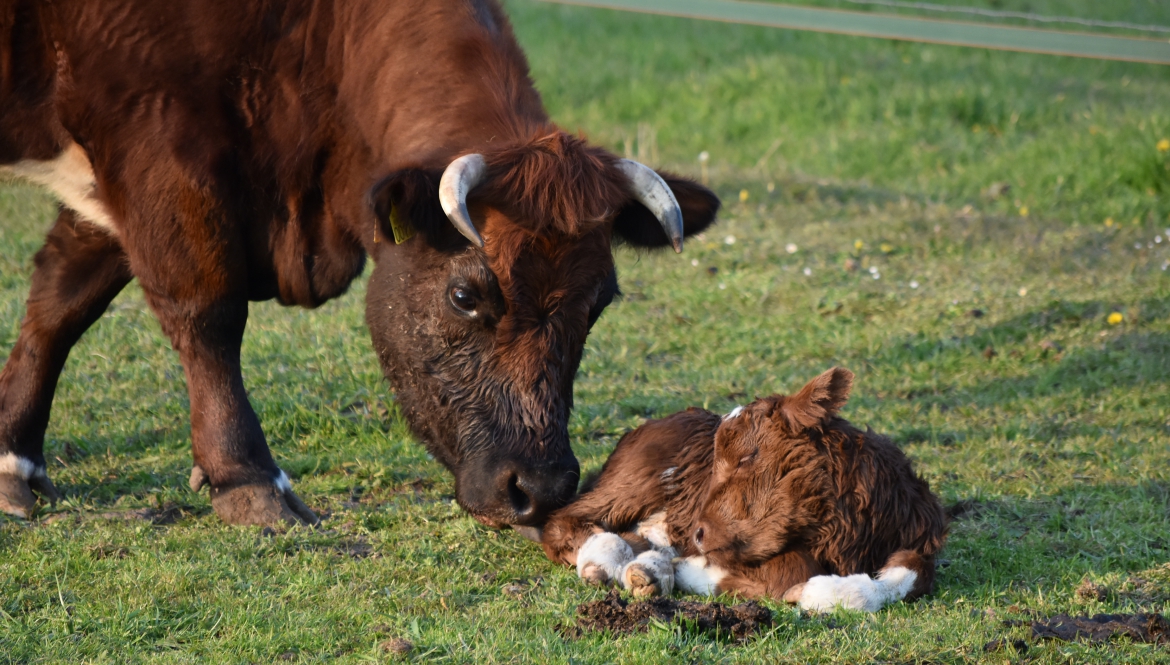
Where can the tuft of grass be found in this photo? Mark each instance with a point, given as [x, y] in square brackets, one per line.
[981, 340]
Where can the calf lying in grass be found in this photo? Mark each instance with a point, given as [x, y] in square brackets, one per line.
[781, 498]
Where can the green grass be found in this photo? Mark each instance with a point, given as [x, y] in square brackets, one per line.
[1063, 451]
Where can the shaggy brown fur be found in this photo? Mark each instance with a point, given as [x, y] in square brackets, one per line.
[778, 493]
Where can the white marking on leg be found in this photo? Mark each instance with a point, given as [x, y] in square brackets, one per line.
[695, 575]
[606, 552]
[15, 465]
[897, 582]
[656, 569]
[70, 176]
[857, 592]
[282, 482]
[734, 413]
[655, 530]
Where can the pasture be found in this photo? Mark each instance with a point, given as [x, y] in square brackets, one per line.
[1015, 340]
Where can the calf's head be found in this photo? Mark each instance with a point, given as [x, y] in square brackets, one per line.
[766, 488]
[480, 319]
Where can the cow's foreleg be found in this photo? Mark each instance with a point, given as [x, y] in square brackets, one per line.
[194, 273]
[228, 445]
[78, 272]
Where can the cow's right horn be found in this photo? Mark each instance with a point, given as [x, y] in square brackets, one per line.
[461, 177]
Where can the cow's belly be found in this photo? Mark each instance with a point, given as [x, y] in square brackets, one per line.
[70, 177]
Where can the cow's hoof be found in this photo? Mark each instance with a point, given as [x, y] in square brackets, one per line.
[16, 494]
[16, 498]
[639, 580]
[261, 505]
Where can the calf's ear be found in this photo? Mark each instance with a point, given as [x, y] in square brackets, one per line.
[819, 400]
[638, 226]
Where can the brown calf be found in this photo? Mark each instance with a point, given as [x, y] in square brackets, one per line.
[781, 498]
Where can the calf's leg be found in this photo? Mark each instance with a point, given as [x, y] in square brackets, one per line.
[770, 579]
[77, 273]
[906, 575]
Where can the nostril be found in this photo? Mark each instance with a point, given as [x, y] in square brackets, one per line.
[699, 537]
[521, 502]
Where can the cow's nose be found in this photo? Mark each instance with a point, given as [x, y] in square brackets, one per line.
[699, 532]
[534, 492]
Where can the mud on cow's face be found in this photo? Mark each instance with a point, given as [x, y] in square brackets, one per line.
[482, 344]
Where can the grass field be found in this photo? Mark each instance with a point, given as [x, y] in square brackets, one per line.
[979, 332]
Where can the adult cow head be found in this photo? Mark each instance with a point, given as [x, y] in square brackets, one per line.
[480, 319]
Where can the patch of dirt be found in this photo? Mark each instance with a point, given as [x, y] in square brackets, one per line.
[617, 615]
[1151, 628]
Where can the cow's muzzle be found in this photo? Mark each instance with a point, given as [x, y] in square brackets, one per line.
[517, 492]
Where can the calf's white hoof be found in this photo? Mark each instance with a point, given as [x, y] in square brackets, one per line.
[601, 559]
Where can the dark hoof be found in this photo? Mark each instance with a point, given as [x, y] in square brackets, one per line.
[16, 494]
[261, 505]
[16, 498]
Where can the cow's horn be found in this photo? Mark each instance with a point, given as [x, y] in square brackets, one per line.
[460, 178]
[653, 192]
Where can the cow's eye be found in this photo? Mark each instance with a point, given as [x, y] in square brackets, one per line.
[463, 300]
[747, 459]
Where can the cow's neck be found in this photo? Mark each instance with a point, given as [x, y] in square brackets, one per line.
[426, 81]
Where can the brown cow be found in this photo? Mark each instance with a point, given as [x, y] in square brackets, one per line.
[222, 151]
[781, 498]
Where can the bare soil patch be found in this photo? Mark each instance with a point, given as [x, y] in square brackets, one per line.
[617, 615]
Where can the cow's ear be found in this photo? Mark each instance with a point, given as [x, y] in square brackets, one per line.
[638, 226]
[819, 400]
[406, 202]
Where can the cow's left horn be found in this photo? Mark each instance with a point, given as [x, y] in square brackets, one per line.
[461, 176]
[653, 192]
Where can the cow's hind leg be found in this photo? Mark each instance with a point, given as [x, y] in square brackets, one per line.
[78, 272]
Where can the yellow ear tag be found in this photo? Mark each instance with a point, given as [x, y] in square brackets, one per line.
[402, 230]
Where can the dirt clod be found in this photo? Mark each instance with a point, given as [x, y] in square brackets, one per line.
[1001, 644]
[1088, 590]
[614, 613]
[1151, 628]
[398, 646]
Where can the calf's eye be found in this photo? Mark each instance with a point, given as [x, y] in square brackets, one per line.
[463, 300]
[747, 459]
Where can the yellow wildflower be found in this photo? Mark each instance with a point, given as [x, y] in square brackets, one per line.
[858, 245]
[1164, 145]
[887, 248]
[743, 195]
[1023, 211]
[1115, 318]
[1108, 221]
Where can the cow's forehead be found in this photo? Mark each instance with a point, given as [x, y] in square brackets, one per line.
[546, 263]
